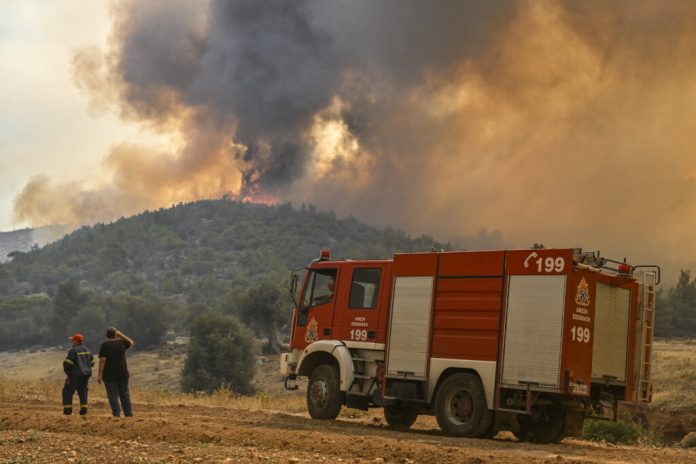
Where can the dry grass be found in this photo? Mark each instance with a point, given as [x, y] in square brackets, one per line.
[155, 377]
[29, 390]
[38, 377]
[12, 389]
[224, 398]
[674, 374]
[158, 370]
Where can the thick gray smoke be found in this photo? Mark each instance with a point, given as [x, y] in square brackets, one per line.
[257, 73]
[568, 123]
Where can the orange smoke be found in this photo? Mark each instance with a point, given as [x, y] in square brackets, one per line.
[140, 179]
[568, 124]
[573, 130]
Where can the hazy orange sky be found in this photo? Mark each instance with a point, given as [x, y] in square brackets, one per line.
[494, 124]
[45, 125]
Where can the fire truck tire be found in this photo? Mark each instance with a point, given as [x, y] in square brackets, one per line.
[545, 425]
[400, 415]
[460, 407]
[323, 393]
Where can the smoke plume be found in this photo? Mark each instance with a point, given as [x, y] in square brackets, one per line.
[567, 123]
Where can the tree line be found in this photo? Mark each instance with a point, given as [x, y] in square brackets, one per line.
[675, 309]
[194, 252]
[222, 344]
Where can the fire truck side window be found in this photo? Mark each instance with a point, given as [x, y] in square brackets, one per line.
[364, 288]
[298, 276]
[323, 290]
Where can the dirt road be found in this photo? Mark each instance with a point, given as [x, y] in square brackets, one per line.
[34, 431]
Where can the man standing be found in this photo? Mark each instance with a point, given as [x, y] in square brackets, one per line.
[113, 369]
[78, 369]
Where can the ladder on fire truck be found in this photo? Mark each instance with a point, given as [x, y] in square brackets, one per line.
[647, 281]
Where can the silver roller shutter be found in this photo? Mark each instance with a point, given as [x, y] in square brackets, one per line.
[612, 310]
[410, 326]
[534, 330]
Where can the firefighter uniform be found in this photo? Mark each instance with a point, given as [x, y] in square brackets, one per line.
[78, 367]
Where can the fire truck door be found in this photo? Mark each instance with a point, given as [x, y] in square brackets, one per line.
[316, 313]
[359, 304]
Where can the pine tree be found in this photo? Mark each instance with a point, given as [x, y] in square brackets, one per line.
[683, 300]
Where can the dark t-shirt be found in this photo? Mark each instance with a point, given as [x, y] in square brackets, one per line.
[116, 367]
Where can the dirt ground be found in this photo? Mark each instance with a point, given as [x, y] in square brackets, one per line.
[35, 431]
[273, 426]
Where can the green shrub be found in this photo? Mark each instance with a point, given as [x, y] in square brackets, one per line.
[221, 354]
[620, 433]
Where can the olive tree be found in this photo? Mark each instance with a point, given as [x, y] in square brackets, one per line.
[221, 354]
[266, 307]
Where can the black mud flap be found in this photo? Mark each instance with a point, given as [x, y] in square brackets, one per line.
[358, 402]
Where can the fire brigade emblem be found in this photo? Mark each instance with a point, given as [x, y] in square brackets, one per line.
[583, 296]
[312, 329]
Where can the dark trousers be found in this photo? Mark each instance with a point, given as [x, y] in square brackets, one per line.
[72, 385]
[115, 390]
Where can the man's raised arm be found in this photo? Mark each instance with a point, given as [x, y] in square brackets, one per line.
[125, 338]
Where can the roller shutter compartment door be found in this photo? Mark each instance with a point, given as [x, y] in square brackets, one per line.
[410, 326]
[534, 330]
[610, 345]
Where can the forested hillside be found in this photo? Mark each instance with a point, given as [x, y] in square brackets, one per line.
[157, 271]
[174, 263]
[206, 245]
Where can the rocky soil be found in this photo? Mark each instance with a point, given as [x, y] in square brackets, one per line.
[35, 431]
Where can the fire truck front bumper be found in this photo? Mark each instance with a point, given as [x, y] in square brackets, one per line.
[288, 366]
[288, 363]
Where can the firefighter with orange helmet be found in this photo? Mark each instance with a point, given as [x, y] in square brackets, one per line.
[78, 369]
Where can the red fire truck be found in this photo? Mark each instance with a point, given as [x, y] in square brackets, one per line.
[531, 341]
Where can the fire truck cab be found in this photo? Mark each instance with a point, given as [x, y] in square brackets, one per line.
[530, 341]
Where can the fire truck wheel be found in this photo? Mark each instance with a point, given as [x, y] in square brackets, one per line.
[323, 393]
[544, 425]
[460, 406]
[400, 415]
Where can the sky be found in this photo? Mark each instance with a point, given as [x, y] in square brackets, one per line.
[488, 123]
[46, 126]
